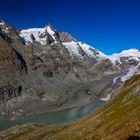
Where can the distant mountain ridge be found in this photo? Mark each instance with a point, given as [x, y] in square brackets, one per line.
[77, 49]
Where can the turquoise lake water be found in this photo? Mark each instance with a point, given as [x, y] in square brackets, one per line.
[52, 117]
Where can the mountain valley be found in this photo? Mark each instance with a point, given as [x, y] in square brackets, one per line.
[45, 70]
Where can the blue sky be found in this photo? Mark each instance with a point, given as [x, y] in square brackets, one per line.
[108, 25]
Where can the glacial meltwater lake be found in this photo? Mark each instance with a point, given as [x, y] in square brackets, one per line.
[52, 117]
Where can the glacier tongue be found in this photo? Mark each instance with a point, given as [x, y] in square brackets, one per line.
[130, 73]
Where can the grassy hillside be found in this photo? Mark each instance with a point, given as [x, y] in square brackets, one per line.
[116, 121]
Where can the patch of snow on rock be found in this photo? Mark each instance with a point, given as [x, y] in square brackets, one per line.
[115, 79]
[106, 98]
[87, 48]
[74, 46]
[2, 22]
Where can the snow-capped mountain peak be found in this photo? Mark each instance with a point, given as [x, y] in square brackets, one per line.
[39, 35]
[126, 53]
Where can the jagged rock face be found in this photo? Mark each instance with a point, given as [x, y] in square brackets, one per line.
[8, 58]
[65, 37]
[127, 62]
[8, 92]
[56, 58]
[106, 66]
